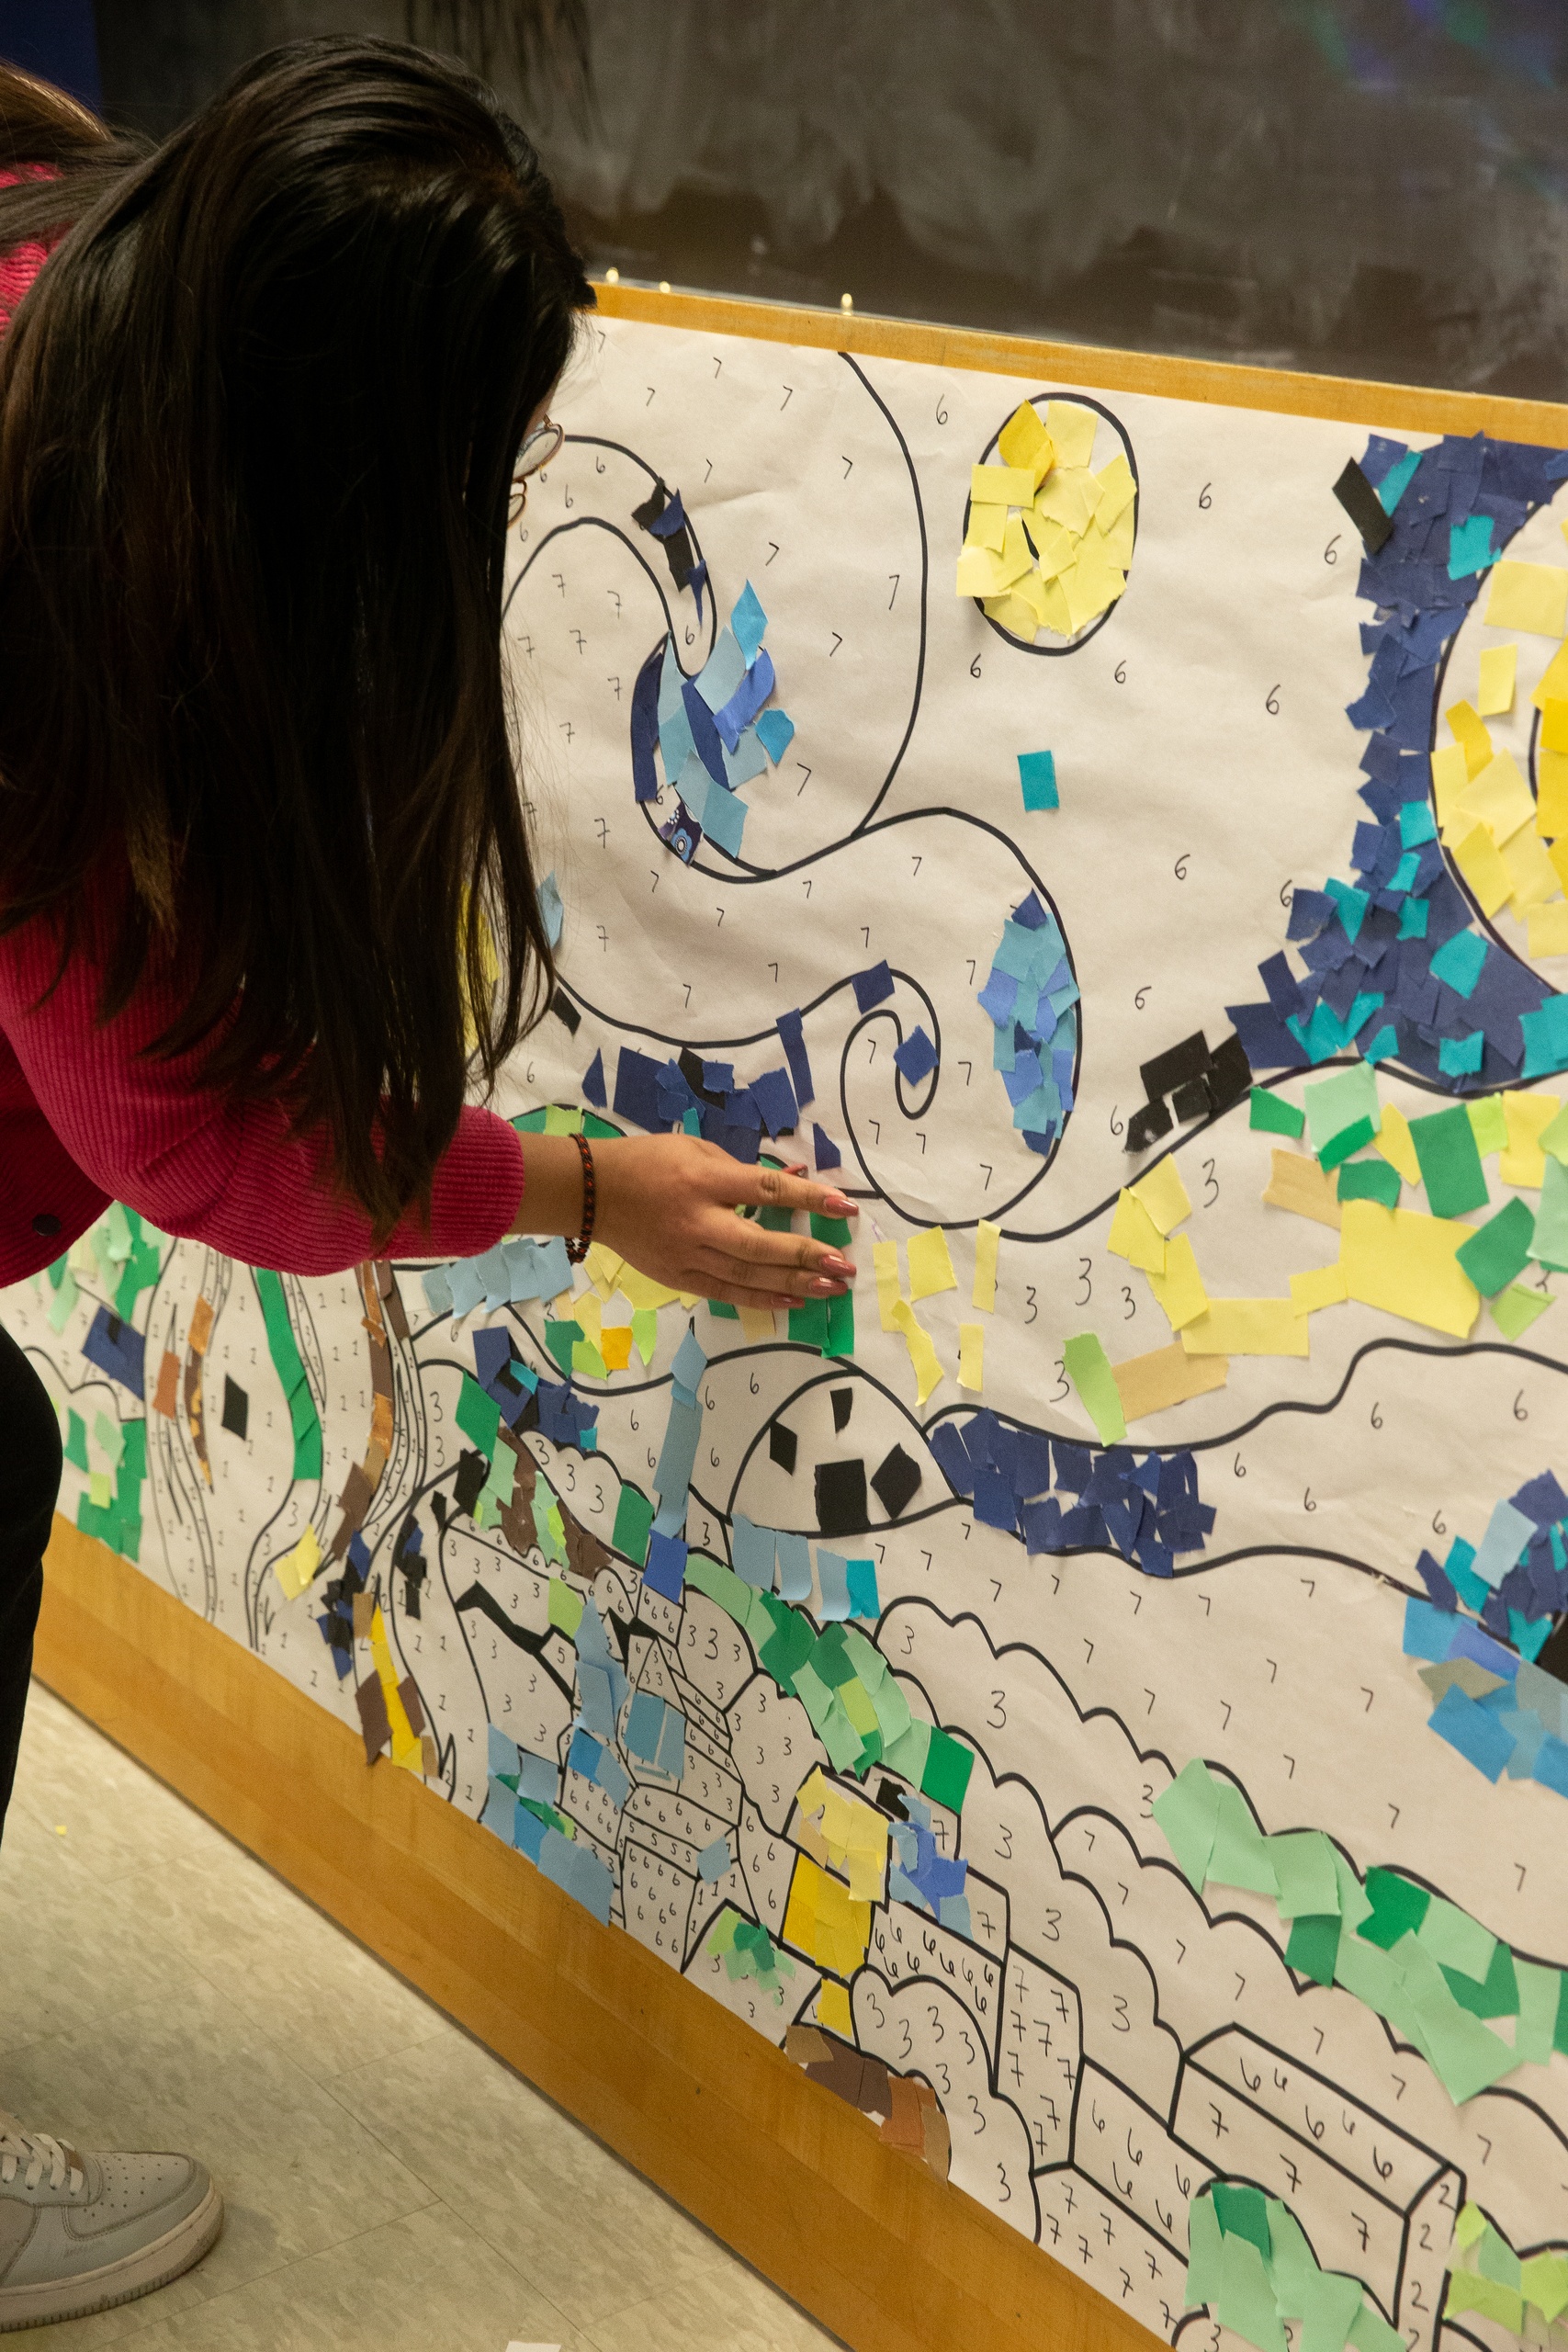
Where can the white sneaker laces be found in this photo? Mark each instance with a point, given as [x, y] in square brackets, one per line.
[39, 2152]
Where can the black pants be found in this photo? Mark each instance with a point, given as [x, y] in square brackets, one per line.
[29, 1481]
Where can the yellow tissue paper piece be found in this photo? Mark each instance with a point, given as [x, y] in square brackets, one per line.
[1464, 723]
[406, 1749]
[988, 1240]
[922, 1355]
[1023, 440]
[1498, 799]
[1451, 773]
[1554, 725]
[1135, 1236]
[585, 1313]
[1551, 794]
[757, 1322]
[1247, 1326]
[1117, 491]
[1524, 1162]
[833, 2012]
[1178, 1291]
[1481, 862]
[1531, 596]
[1071, 496]
[983, 572]
[1324, 1286]
[1553, 687]
[1164, 1194]
[1166, 1376]
[615, 1345]
[1397, 1144]
[972, 1356]
[1499, 666]
[1117, 536]
[986, 526]
[297, 1567]
[1054, 544]
[1558, 854]
[1530, 870]
[885, 1260]
[1299, 1184]
[1405, 1263]
[1001, 485]
[1019, 618]
[1548, 928]
[931, 1268]
[1488, 1124]
[1072, 430]
[602, 1268]
[643, 1291]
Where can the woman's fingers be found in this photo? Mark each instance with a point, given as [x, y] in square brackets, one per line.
[797, 1282]
[757, 1249]
[772, 1188]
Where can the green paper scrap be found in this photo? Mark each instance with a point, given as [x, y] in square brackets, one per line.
[1450, 1164]
[1370, 1179]
[1340, 1146]
[1304, 1867]
[587, 1363]
[808, 1325]
[1243, 2212]
[813, 1694]
[945, 1777]
[1370, 2332]
[1468, 2292]
[1241, 1856]
[76, 1441]
[1203, 2252]
[1516, 1308]
[1354, 1906]
[1496, 2258]
[834, 1230]
[566, 1605]
[530, 1123]
[1457, 1940]
[1246, 2301]
[1341, 1101]
[549, 1526]
[788, 1647]
[1560, 2038]
[1292, 2267]
[477, 1415]
[1399, 1906]
[303, 1418]
[1549, 1247]
[831, 1657]
[645, 1332]
[65, 1299]
[1544, 2281]
[907, 1755]
[1471, 2221]
[1467, 2055]
[1088, 1368]
[634, 1517]
[1498, 1996]
[723, 1310]
[1189, 1812]
[841, 1338]
[596, 1129]
[1271, 1114]
[856, 1700]
[1499, 1251]
[1330, 2307]
[563, 1119]
[1488, 1122]
[561, 1339]
[840, 1739]
[1554, 1137]
[1314, 1946]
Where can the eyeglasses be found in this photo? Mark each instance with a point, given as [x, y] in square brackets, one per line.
[538, 449]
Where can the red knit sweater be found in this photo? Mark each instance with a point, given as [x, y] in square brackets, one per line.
[85, 1119]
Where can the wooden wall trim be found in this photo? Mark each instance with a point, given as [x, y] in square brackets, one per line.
[867, 2240]
[1410, 408]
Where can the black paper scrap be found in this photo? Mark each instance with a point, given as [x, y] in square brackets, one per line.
[782, 1446]
[236, 1408]
[564, 1009]
[472, 1472]
[844, 1401]
[375, 1728]
[1146, 1125]
[1175, 1066]
[1191, 1101]
[891, 1799]
[840, 1498]
[1230, 1074]
[1361, 502]
[895, 1480]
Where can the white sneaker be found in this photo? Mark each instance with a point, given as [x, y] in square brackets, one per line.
[80, 2233]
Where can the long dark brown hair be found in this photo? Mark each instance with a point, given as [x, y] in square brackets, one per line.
[259, 420]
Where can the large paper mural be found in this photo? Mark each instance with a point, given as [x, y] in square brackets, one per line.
[1099, 1695]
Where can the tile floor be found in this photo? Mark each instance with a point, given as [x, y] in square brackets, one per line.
[391, 2186]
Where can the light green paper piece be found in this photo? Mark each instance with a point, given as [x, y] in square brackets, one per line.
[813, 1694]
[645, 1332]
[1496, 2258]
[1468, 2228]
[503, 1475]
[1246, 2301]
[1544, 2279]
[1370, 2332]
[907, 1755]
[1241, 1856]
[1457, 1940]
[1516, 1308]
[1329, 2310]
[1549, 1247]
[1337, 1102]
[1540, 1989]
[1467, 2055]
[1304, 1866]
[1354, 1903]
[110, 1439]
[1189, 1812]
[1088, 1369]
[565, 1606]
[1293, 2267]
[1488, 1122]
[65, 1299]
[840, 1737]
[1554, 1137]
[1203, 2252]
[1469, 2291]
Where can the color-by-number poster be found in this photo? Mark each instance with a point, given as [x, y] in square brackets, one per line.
[1097, 1696]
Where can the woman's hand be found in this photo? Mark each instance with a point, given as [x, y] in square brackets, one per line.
[668, 1203]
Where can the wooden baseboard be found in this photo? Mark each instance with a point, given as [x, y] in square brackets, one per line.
[867, 2240]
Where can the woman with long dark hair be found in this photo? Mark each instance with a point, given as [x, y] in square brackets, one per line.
[267, 907]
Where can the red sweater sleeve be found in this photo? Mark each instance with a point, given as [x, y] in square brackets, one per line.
[233, 1175]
